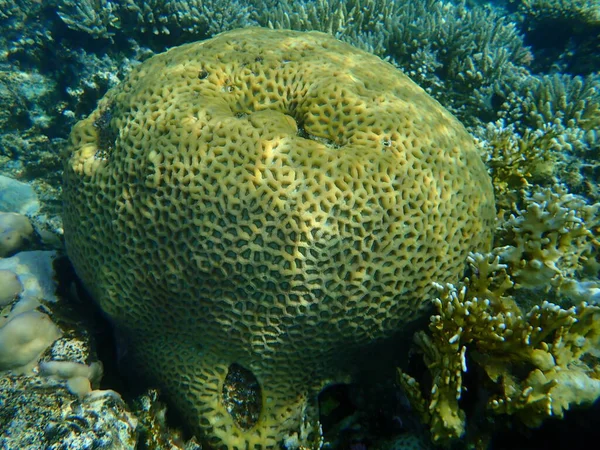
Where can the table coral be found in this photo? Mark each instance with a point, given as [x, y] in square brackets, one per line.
[256, 210]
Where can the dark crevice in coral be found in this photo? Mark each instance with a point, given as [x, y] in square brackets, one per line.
[242, 396]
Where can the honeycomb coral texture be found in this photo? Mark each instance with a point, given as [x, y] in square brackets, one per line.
[270, 202]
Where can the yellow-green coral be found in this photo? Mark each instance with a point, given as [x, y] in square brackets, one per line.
[533, 358]
[518, 160]
[254, 211]
[552, 242]
[536, 364]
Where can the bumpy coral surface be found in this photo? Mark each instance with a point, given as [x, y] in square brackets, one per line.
[253, 210]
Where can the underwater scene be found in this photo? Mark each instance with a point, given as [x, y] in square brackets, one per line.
[311, 224]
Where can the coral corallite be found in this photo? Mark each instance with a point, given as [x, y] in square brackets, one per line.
[253, 210]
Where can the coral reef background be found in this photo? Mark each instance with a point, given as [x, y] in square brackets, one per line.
[522, 75]
[491, 63]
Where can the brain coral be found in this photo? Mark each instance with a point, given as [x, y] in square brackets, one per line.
[253, 210]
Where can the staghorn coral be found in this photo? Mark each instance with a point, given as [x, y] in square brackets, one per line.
[457, 53]
[150, 16]
[210, 17]
[198, 18]
[194, 17]
[538, 10]
[561, 99]
[8, 8]
[576, 48]
[263, 186]
[94, 17]
[359, 22]
[533, 365]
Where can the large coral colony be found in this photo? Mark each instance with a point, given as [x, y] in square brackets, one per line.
[257, 182]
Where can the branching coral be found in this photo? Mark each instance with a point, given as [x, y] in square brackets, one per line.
[364, 23]
[575, 49]
[473, 47]
[564, 100]
[579, 10]
[196, 17]
[527, 359]
[517, 160]
[103, 18]
[568, 105]
[552, 243]
[562, 115]
[8, 8]
[210, 17]
[534, 365]
[95, 17]
[468, 50]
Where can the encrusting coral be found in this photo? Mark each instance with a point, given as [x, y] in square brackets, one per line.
[255, 210]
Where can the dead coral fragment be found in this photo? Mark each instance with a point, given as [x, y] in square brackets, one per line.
[535, 365]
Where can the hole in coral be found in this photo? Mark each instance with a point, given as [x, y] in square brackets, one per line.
[242, 396]
[107, 135]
